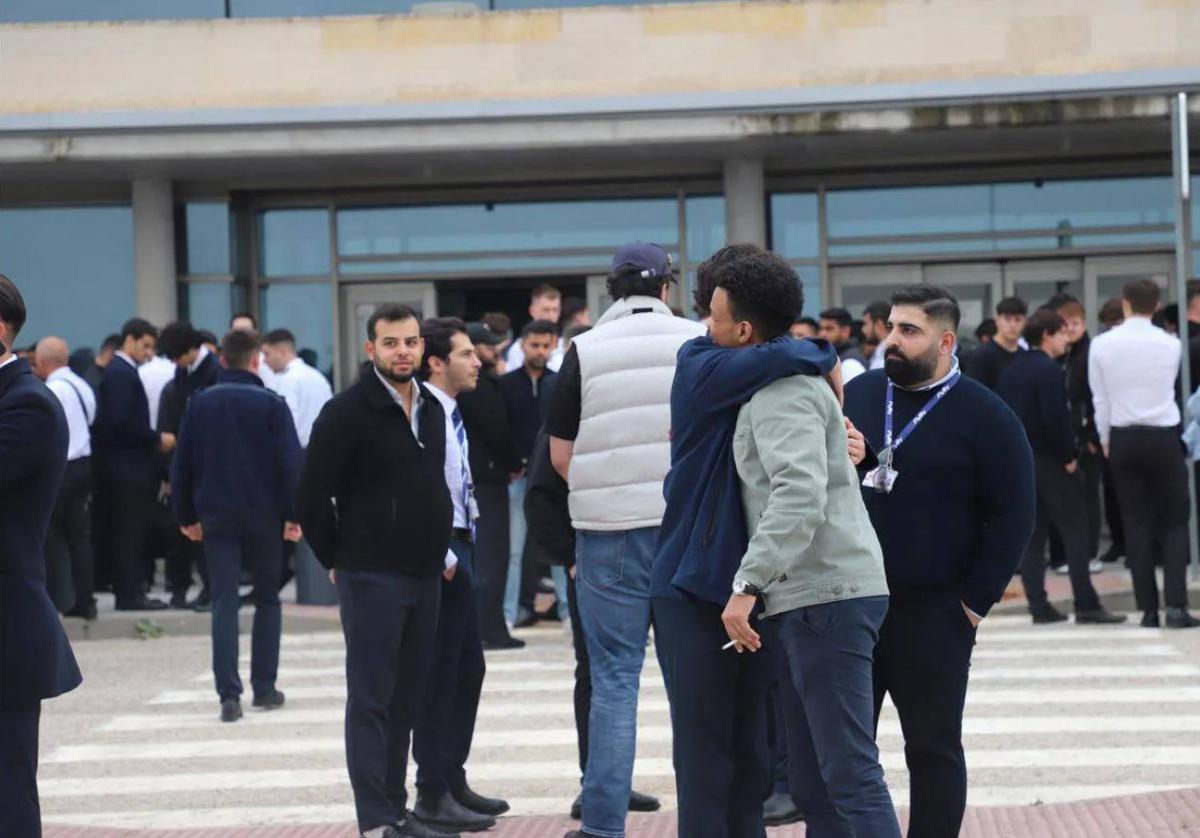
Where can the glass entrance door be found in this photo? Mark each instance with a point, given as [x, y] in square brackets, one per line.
[975, 284]
[358, 301]
[1036, 281]
[1106, 276]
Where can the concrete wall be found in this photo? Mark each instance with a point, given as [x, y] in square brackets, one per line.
[582, 53]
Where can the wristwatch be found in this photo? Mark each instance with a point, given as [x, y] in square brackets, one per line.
[744, 588]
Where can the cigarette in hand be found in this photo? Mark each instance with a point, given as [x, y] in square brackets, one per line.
[729, 645]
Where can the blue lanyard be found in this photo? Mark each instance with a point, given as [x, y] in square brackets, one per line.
[889, 445]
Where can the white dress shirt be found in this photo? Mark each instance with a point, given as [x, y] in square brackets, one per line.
[515, 358]
[79, 403]
[1132, 370]
[852, 368]
[200, 356]
[265, 373]
[877, 360]
[414, 419]
[305, 390]
[457, 463]
[155, 374]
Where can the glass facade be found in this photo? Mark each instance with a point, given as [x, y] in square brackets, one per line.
[295, 242]
[74, 267]
[307, 309]
[207, 235]
[208, 305]
[796, 236]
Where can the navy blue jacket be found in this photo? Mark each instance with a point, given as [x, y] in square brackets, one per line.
[1034, 387]
[526, 404]
[237, 450]
[962, 509]
[703, 534]
[124, 442]
[36, 661]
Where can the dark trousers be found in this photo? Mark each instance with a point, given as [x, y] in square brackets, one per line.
[835, 775]
[1112, 509]
[180, 563]
[583, 676]
[922, 660]
[777, 717]
[390, 624]
[1060, 504]
[231, 543]
[720, 730]
[130, 503]
[491, 560]
[444, 730]
[20, 812]
[1091, 470]
[1151, 479]
[69, 558]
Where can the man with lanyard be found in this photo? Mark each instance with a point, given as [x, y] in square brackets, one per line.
[951, 496]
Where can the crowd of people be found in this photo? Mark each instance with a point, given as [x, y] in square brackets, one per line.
[735, 491]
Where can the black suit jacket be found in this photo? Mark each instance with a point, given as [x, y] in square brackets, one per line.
[372, 496]
[493, 457]
[185, 385]
[551, 538]
[124, 442]
[36, 661]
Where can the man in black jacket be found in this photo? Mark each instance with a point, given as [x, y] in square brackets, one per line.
[493, 462]
[125, 446]
[36, 662]
[1032, 385]
[374, 507]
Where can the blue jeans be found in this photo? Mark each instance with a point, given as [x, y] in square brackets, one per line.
[613, 586]
[255, 541]
[516, 547]
[833, 765]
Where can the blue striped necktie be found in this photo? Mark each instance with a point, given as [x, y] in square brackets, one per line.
[460, 433]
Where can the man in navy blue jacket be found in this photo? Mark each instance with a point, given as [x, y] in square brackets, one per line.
[124, 447]
[717, 697]
[234, 481]
[36, 662]
[1034, 387]
[951, 496]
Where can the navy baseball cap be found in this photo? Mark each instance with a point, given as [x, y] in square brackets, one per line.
[481, 334]
[650, 259]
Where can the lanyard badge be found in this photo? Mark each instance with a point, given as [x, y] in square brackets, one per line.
[883, 477]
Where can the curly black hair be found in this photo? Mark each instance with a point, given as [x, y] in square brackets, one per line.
[706, 281]
[763, 289]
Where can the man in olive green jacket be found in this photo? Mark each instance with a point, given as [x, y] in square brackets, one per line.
[815, 562]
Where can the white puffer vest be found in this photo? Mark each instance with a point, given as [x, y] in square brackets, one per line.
[623, 450]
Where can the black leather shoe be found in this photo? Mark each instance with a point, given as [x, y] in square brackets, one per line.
[144, 603]
[502, 643]
[528, 621]
[269, 701]
[1047, 614]
[476, 802]
[179, 602]
[388, 832]
[780, 809]
[1099, 616]
[1113, 554]
[1179, 618]
[639, 802]
[1150, 620]
[577, 808]
[549, 615]
[446, 812]
[231, 710]
[413, 828]
[579, 833]
[86, 612]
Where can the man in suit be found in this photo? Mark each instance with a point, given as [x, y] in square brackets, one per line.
[125, 446]
[375, 508]
[234, 479]
[36, 662]
[493, 461]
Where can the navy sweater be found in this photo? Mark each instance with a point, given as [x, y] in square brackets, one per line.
[703, 534]
[962, 509]
[1034, 387]
[238, 450]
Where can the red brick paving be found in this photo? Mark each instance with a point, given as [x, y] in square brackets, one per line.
[1173, 814]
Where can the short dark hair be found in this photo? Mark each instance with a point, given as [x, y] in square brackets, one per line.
[935, 301]
[629, 282]
[1143, 295]
[137, 328]
[986, 329]
[253, 320]
[439, 333]
[706, 281]
[208, 337]
[498, 323]
[763, 289]
[239, 347]
[1193, 289]
[389, 313]
[808, 321]
[1111, 312]
[1043, 322]
[280, 336]
[1169, 314]
[539, 327]
[571, 306]
[572, 332]
[839, 316]
[879, 310]
[112, 341]
[12, 307]
[545, 290]
[178, 339]
[1012, 306]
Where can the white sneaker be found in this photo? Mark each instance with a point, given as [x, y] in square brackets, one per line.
[1095, 566]
[1061, 570]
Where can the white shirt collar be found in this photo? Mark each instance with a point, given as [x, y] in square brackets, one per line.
[120, 353]
[391, 389]
[939, 382]
[295, 363]
[61, 372]
[11, 358]
[449, 403]
[200, 356]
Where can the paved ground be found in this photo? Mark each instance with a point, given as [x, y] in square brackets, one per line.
[1069, 731]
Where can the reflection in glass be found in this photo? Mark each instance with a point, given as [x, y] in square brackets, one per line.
[33, 11]
[705, 227]
[810, 282]
[305, 309]
[316, 8]
[794, 230]
[295, 242]
[74, 267]
[207, 238]
[209, 305]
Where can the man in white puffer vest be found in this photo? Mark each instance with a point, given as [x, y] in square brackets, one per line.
[609, 424]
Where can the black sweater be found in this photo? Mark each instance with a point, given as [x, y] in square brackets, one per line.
[987, 362]
[373, 497]
[962, 509]
[1034, 387]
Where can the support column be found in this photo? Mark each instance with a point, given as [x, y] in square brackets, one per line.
[154, 251]
[745, 202]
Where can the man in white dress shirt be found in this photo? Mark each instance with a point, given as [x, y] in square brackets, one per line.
[875, 329]
[247, 322]
[155, 373]
[303, 388]
[545, 304]
[1132, 370]
[443, 732]
[69, 559]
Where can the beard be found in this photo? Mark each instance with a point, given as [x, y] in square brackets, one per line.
[907, 372]
[394, 377]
